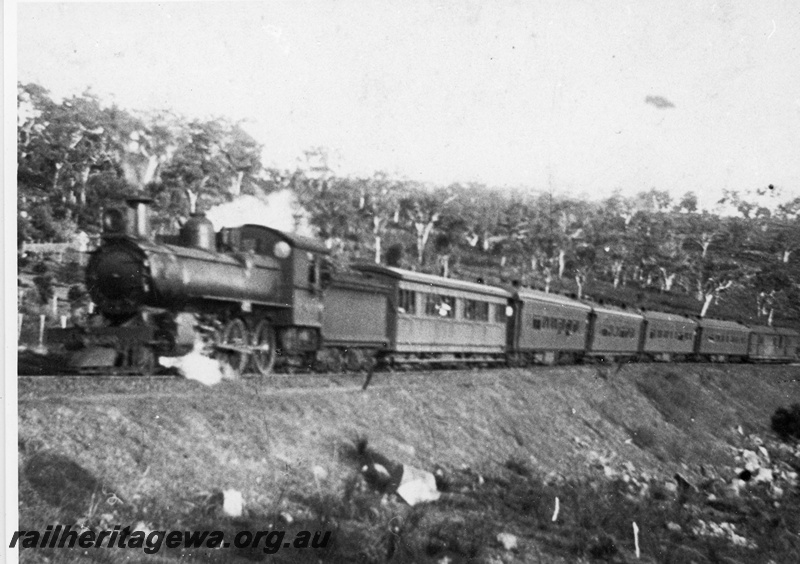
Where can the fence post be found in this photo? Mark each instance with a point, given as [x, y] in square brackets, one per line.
[55, 305]
[20, 318]
[42, 317]
[63, 321]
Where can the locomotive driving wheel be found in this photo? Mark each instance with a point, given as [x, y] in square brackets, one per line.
[143, 360]
[264, 347]
[234, 345]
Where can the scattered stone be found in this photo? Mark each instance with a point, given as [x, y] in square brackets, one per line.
[764, 476]
[320, 473]
[674, 527]
[287, 518]
[417, 486]
[232, 503]
[751, 461]
[508, 541]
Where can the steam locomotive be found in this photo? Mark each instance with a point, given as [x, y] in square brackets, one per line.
[258, 296]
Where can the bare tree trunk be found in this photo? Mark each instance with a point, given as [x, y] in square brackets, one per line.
[562, 262]
[617, 270]
[444, 262]
[377, 249]
[192, 195]
[579, 280]
[667, 279]
[548, 279]
[57, 175]
[236, 183]
[707, 299]
[423, 233]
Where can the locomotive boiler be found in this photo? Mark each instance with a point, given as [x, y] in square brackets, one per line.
[245, 293]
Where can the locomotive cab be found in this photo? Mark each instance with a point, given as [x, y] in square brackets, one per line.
[303, 271]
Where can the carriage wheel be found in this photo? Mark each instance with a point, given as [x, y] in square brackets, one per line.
[235, 334]
[264, 347]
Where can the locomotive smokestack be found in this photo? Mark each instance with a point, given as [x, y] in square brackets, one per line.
[139, 217]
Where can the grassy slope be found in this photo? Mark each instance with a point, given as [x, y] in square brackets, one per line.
[167, 453]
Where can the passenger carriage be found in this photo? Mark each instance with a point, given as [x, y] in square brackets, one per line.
[772, 344]
[667, 337]
[435, 319]
[613, 333]
[546, 328]
[791, 344]
[721, 341]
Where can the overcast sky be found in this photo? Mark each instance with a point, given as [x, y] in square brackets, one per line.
[573, 96]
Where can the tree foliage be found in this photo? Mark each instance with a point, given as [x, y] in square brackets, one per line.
[78, 156]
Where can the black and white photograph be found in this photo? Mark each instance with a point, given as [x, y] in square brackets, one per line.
[419, 282]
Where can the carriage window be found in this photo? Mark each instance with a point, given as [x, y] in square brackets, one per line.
[407, 302]
[431, 303]
[440, 306]
[500, 313]
[312, 270]
[537, 323]
[476, 311]
[447, 306]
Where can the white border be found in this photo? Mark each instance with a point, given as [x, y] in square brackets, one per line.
[9, 479]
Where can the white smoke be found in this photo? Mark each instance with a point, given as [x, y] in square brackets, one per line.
[279, 210]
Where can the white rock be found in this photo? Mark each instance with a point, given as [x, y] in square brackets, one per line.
[764, 476]
[674, 527]
[195, 366]
[508, 540]
[319, 473]
[232, 503]
[751, 461]
[764, 453]
[417, 486]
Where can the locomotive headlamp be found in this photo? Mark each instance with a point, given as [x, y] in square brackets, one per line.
[282, 249]
[113, 221]
[509, 311]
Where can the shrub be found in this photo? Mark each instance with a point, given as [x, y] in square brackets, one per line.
[71, 272]
[44, 284]
[76, 293]
[786, 422]
[40, 268]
